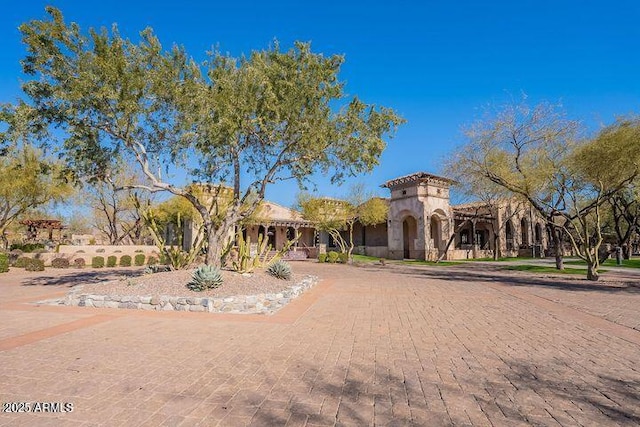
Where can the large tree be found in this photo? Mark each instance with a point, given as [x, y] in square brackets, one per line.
[337, 217]
[28, 178]
[245, 122]
[536, 154]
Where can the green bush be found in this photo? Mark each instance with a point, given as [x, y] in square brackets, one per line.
[34, 265]
[332, 257]
[4, 263]
[322, 257]
[152, 260]
[112, 260]
[138, 260]
[21, 262]
[343, 257]
[60, 263]
[97, 262]
[125, 261]
[26, 247]
[79, 262]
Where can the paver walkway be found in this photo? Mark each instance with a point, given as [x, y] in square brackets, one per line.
[367, 346]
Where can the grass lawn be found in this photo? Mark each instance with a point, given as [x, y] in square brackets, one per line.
[365, 258]
[629, 263]
[433, 263]
[491, 259]
[543, 269]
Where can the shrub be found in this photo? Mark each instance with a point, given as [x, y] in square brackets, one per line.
[152, 260]
[112, 260]
[322, 257]
[157, 268]
[205, 277]
[125, 261]
[332, 257]
[100, 251]
[80, 251]
[138, 251]
[26, 247]
[79, 262]
[97, 262]
[4, 263]
[60, 263]
[343, 257]
[34, 265]
[21, 262]
[138, 260]
[14, 255]
[280, 270]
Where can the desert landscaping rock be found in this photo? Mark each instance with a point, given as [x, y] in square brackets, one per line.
[264, 303]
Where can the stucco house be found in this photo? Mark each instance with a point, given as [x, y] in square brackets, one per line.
[421, 224]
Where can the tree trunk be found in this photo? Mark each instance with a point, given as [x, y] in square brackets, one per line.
[214, 247]
[496, 247]
[557, 243]
[592, 271]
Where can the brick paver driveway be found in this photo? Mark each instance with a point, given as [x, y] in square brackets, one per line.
[367, 346]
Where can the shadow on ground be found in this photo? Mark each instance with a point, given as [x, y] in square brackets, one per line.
[357, 396]
[498, 275]
[81, 277]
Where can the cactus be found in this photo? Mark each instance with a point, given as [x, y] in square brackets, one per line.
[205, 277]
[280, 270]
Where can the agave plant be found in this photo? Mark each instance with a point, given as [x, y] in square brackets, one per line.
[205, 277]
[280, 270]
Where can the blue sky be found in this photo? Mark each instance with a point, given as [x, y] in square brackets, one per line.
[436, 63]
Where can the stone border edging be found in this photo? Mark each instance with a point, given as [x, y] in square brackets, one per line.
[245, 304]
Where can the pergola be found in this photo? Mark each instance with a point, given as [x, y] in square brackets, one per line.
[34, 226]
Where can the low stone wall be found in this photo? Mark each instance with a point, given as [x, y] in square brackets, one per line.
[249, 304]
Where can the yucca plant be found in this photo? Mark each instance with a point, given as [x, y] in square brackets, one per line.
[280, 270]
[205, 277]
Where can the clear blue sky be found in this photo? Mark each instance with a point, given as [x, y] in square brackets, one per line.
[437, 63]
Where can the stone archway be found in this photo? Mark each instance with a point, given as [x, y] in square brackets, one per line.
[524, 233]
[409, 235]
[435, 228]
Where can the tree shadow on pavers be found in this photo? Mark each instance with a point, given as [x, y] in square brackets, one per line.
[610, 400]
[75, 278]
[497, 275]
[342, 396]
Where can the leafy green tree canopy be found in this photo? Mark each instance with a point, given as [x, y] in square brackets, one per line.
[248, 122]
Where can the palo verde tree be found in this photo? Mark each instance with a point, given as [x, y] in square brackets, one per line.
[28, 178]
[243, 122]
[535, 154]
[521, 149]
[486, 200]
[338, 217]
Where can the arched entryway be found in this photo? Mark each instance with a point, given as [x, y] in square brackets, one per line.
[538, 234]
[409, 235]
[524, 232]
[508, 231]
[436, 231]
[271, 236]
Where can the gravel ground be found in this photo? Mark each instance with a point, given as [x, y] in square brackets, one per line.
[173, 283]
